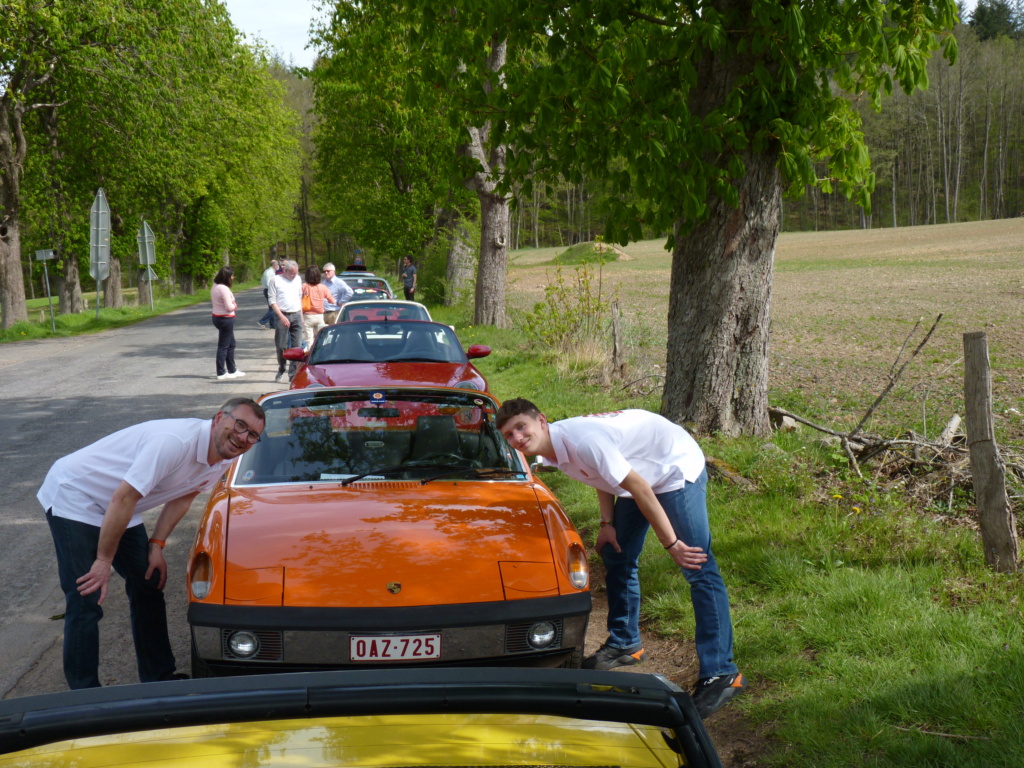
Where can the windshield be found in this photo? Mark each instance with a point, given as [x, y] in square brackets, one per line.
[382, 310]
[386, 341]
[394, 434]
[368, 287]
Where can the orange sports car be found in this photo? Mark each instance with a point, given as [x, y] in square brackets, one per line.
[381, 527]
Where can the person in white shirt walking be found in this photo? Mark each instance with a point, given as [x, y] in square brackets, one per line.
[94, 499]
[285, 298]
[648, 473]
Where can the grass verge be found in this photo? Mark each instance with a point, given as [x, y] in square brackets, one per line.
[87, 322]
[871, 630]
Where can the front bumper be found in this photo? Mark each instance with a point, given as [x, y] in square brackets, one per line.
[307, 639]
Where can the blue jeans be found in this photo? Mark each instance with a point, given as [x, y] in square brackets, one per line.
[225, 344]
[688, 512]
[76, 545]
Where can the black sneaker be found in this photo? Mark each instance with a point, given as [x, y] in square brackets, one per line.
[608, 657]
[713, 693]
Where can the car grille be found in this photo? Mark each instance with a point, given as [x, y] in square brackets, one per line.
[516, 642]
[271, 645]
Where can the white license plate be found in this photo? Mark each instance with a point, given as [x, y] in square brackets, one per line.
[394, 647]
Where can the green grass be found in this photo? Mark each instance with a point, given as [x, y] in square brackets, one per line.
[38, 327]
[871, 629]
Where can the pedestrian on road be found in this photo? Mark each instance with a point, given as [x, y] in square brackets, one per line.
[94, 499]
[649, 473]
[286, 300]
[341, 292]
[315, 296]
[409, 278]
[267, 321]
[224, 307]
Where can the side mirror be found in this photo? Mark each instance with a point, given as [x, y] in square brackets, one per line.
[478, 350]
[294, 353]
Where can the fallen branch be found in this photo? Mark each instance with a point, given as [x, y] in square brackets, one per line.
[894, 378]
[943, 735]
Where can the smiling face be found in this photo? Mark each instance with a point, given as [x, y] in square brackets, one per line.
[227, 442]
[529, 434]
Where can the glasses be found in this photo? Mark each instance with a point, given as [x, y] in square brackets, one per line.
[241, 428]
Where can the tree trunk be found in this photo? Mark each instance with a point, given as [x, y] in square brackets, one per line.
[113, 294]
[459, 267]
[71, 301]
[490, 276]
[145, 287]
[718, 321]
[12, 284]
[494, 211]
[12, 155]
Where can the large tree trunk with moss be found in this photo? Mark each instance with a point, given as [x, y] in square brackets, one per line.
[718, 322]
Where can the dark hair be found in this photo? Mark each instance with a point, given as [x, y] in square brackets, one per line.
[516, 407]
[409, 257]
[235, 402]
[224, 276]
[312, 274]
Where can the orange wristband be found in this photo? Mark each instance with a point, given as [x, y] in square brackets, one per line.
[606, 522]
[159, 542]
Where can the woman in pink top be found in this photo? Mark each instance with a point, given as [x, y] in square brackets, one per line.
[224, 306]
[313, 319]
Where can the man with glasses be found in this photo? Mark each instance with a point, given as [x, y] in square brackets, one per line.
[340, 291]
[94, 499]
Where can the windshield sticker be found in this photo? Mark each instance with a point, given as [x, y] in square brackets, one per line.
[377, 398]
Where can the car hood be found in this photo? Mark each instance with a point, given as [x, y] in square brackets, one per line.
[386, 544]
[388, 374]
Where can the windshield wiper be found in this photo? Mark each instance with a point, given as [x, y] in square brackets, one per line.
[396, 468]
[478, 471]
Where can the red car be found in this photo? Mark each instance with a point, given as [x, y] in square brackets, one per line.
[388, 353]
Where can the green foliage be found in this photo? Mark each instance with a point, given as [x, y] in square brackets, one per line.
[164, 109]
[763, 75]
[572, 311]
[386, 164]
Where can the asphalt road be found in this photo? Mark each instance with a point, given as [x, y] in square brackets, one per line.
[62, 394]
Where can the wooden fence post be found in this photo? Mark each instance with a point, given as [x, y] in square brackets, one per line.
[998, 533]
[618, 353]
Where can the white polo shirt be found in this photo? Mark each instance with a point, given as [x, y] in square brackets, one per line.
[163, 460]
[602, 448]
[287, 294]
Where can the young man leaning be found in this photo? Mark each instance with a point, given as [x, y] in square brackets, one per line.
[648, 473]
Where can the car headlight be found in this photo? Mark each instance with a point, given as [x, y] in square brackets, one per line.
[542, 634]
[199, 579]
[468, 385]
[579, 570]
[243, 644]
